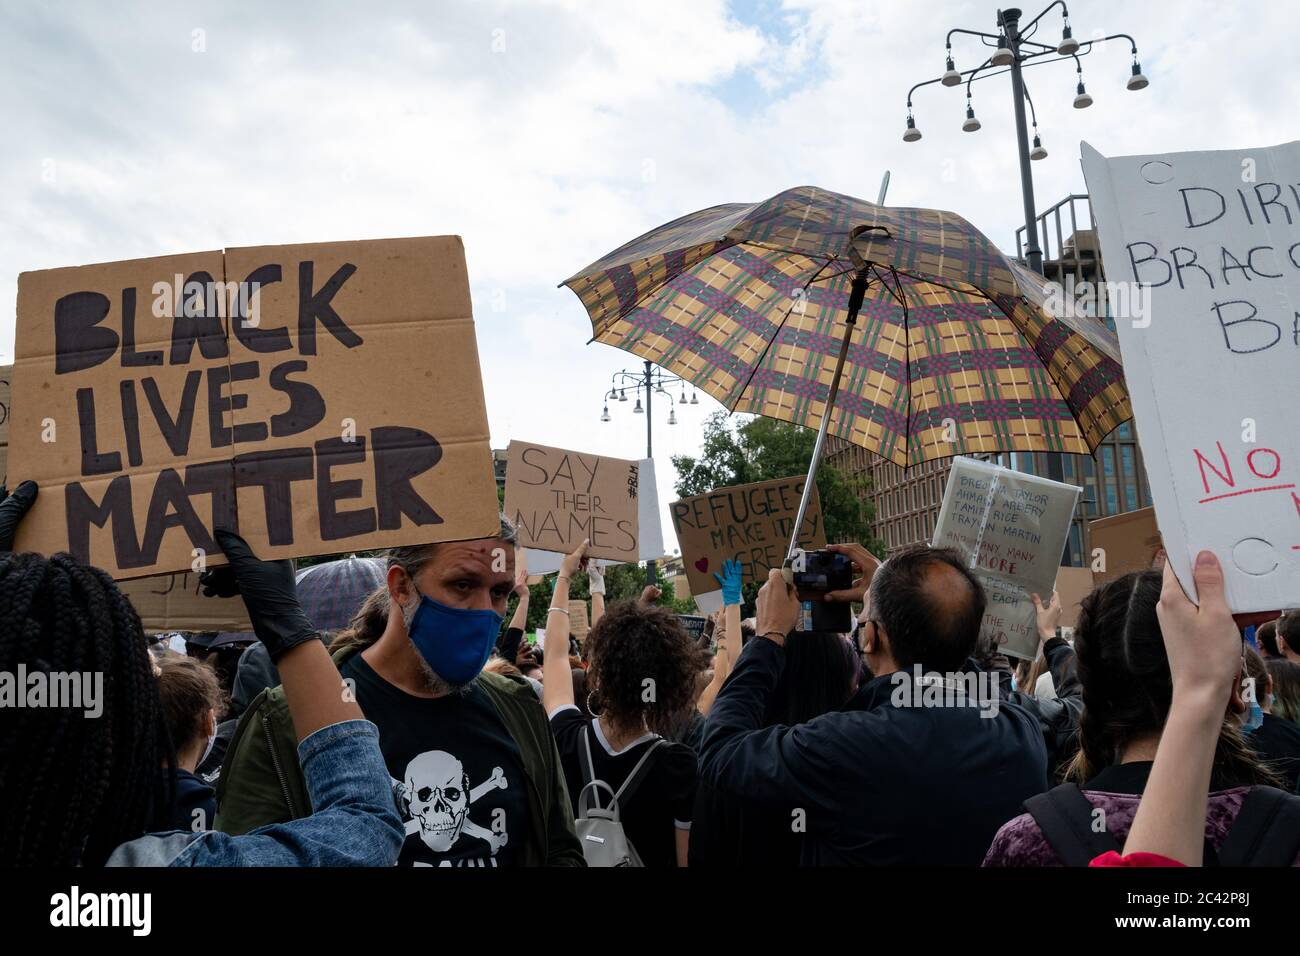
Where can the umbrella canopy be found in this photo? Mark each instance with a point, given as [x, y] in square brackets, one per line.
[333, 592]
[956, 353]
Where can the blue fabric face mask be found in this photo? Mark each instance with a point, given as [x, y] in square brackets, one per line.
[455, 642]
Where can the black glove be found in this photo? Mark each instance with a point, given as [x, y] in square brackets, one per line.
[269, 594]
[12, 509]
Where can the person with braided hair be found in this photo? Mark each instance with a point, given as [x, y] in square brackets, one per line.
[84, 789]
[1128, 692]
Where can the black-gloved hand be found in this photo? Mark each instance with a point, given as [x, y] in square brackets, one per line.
[269, 594]
[12, 508]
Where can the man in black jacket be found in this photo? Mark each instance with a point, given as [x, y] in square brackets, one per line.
[915, 773]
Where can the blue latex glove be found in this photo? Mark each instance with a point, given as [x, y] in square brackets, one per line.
[730, 581]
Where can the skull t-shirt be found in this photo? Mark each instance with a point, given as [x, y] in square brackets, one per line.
[458, 780]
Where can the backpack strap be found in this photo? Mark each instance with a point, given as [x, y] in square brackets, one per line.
[629, 785]
[1065, 816]
[638, 773]
[584, 757]
[1266, 831]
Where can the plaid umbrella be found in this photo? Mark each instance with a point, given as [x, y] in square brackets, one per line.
[756, 305]
[333, 592]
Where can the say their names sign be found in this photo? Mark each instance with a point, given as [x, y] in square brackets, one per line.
[1011, 530]
[746, 523]
[557, 497]
[1212, 371]
[316, 398]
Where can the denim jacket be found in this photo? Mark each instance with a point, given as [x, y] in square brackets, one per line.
[355, 822]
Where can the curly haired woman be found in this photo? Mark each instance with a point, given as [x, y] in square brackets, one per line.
[640, 680]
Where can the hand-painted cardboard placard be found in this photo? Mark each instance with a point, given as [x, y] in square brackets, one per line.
[1123, 543]
[1213, 238]
[746, 523]
[557, 497]
[6, 375]
[175, 602]
[1072, 585]
[1011, 529]
[319, 398]
[579, 624]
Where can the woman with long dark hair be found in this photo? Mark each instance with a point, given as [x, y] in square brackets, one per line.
[1127, 693]
[80, 785]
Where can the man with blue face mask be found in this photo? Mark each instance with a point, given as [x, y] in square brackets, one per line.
[474, 768]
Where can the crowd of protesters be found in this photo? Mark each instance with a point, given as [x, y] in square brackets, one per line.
[425, 733]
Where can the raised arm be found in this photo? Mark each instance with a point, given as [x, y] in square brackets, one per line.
[557, 679]
[1204, 649]
[596, 584]
[313, 687]
[721, 667]
[519, 621]
[732, 639]
[729, 625]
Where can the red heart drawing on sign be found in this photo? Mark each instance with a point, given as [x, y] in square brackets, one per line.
[702, 565]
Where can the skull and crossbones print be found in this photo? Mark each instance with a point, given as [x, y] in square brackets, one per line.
[435, 799]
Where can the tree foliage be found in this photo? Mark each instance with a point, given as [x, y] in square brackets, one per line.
[761, 449]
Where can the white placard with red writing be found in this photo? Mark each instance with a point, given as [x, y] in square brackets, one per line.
[1010, 528]
[1214, 368]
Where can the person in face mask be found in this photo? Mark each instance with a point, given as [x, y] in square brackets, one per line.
[191, 697]
[475, 773]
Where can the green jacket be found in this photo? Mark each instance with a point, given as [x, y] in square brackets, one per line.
[261, 781]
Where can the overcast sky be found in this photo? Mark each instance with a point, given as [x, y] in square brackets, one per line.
[547, 133]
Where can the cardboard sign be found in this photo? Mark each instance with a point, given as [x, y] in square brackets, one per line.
[1125, 542]
[1011, 528]
[6, 374]
[578, 623]
[557, 497]
[320, 398]
[175, 602]
[1212, 368]
[746, 523]
[1072, 586]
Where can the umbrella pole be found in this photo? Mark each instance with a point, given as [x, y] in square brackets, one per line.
[857, 294]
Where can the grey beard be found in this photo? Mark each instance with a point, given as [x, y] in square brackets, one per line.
[436, 684]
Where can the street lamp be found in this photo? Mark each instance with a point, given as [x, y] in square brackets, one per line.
[653, 379]
[1014, 50]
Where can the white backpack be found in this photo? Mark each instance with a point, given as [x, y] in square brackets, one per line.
[603, 841]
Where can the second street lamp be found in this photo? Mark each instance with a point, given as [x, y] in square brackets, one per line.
[652, 379]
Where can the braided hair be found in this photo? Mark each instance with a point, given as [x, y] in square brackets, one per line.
[73, 787]
[1127, 687]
